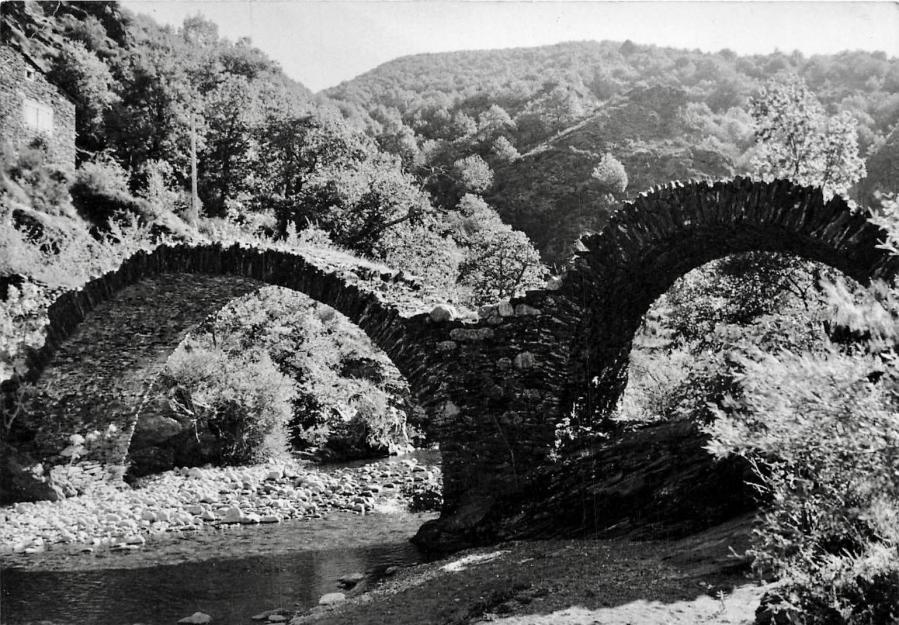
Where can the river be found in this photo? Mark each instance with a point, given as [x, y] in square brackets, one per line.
[230, 573]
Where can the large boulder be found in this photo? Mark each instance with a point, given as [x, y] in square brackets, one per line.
[22, 478]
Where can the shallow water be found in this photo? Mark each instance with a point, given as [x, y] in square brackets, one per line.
[230, 575]
[230, 572]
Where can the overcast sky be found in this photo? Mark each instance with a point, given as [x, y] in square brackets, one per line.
[322, 43]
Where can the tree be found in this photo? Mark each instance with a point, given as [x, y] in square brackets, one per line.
[300, 155]
[322, 172]
[610, 174]
[231, 113]
[151, 119]
[394, 136]
[503, 150]
[797, 140]
[498, 262]
[559, 104]
[462, 125]
[199, 32]
[494, 121]
[386, 199]
[80, 73]
[473, 173]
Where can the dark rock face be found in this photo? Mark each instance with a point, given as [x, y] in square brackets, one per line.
[494, 388]
[653, 482]
[18, 479]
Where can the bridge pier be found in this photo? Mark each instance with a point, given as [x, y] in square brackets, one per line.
[506, 390]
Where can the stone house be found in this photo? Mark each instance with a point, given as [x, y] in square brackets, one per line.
[31, 107]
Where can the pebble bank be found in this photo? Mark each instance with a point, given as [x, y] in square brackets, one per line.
[114, 515]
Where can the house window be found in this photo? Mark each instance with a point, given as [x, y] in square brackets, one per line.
[38, 116]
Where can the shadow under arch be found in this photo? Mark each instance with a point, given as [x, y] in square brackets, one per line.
[107, 342]
[664, 234]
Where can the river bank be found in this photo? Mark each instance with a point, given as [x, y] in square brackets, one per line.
[278, 571]
[113, 516]
[569, 582]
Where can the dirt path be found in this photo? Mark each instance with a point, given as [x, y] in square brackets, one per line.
[694, 580]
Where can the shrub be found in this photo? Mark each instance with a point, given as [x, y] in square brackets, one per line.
[28, 180]
[610, 174]
[348, 397]
[22, 323]
[159, 188]
[242, 401]
[822, 431]
[100, 193]
[310, 236]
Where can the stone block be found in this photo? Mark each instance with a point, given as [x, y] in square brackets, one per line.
[524, 360]
[442, 313]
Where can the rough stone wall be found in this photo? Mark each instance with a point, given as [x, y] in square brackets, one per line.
[19, 80]
[502, 389]
[651, 482]
[101, 374]
[527, 374]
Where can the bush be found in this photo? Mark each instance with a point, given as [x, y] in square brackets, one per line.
[348, 396]
[822, 431]
[22, 325]
[100, 193]
[241, 402]
[610, 174]
[28, 180]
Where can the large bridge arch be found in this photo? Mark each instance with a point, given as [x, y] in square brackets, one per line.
[581, 336]
[663, 234]
[107, 342]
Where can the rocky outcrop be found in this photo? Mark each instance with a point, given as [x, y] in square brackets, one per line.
[22, 478]
[655, 481]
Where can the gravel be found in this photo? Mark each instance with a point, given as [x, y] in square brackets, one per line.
[112, 514]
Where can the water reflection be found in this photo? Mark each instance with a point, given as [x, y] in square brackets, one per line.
[231, 578]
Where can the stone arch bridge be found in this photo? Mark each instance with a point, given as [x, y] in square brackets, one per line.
[495, 386]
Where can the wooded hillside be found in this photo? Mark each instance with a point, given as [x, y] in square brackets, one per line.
[543, 117]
